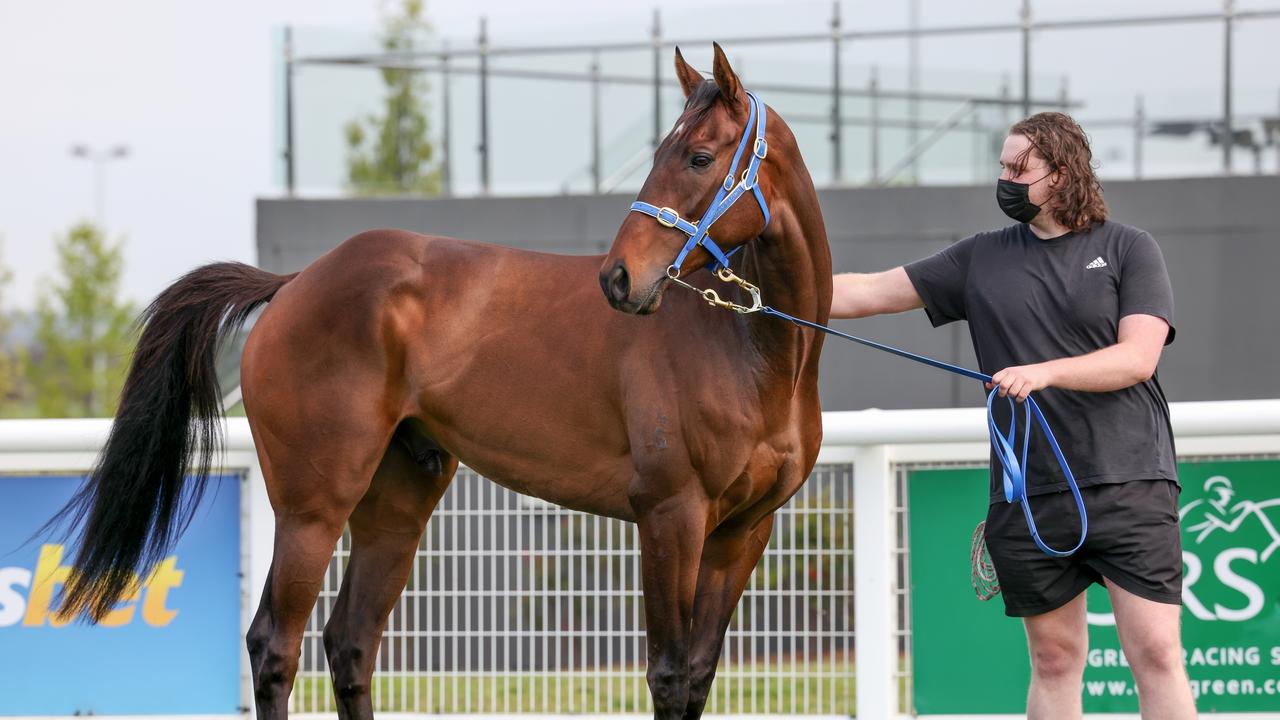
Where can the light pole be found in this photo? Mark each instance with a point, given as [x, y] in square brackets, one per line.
[99, 161]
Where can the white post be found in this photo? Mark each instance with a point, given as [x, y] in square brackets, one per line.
[875, 616]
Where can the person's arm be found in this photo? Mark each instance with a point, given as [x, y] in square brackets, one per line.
[859, 295]
[1133, 359]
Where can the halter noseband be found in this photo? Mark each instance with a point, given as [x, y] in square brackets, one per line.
[728, 194]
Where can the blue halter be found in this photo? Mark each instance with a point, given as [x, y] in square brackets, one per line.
[725, 198]
[1015, 480]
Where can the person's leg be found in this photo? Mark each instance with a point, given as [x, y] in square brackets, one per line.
[1139, 552]
[1150, 637]
[1058, 642]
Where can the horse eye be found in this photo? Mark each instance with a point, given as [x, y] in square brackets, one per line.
[701, 160]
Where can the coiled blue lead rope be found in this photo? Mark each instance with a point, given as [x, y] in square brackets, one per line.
[1015, 479]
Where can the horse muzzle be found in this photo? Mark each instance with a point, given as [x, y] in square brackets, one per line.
[617, 283]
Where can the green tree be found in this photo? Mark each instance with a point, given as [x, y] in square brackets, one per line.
[399, 158]
[83, 333]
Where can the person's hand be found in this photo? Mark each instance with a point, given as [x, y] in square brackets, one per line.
[1021, 380]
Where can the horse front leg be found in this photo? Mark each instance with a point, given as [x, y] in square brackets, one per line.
[672, 531]
[729, 556]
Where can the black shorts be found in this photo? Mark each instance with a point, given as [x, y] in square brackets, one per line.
[1134, 541]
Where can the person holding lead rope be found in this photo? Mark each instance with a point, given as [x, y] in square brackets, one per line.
[1076, 308]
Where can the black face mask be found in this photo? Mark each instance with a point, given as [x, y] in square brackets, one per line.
[1014, 199]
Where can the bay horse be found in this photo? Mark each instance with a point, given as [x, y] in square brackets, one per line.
[377, 369]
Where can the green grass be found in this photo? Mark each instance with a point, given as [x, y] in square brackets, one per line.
[734, 692]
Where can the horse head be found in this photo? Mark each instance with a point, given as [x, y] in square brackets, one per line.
[712, 157]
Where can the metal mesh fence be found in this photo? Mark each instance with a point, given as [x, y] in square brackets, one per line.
[518, 606]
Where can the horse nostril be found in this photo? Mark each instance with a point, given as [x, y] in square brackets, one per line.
[619, 283]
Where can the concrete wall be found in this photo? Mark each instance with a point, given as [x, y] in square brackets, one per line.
[1220, 236]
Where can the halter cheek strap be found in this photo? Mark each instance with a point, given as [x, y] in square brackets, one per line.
[729, 192]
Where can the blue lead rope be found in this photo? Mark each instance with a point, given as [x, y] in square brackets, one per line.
[1015, 478]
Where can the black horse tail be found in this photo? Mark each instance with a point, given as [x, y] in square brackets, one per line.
[139, 498]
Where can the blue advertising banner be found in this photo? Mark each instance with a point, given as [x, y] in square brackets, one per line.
[174, 648]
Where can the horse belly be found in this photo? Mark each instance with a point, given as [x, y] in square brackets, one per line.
[530, 421]
[582, 493]
[551, 471]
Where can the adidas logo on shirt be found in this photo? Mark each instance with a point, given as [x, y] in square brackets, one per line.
[1098, 262]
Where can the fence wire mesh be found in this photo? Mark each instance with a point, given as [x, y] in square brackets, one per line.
[518, 606]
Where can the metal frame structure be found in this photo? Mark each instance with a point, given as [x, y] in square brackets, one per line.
[441, 62]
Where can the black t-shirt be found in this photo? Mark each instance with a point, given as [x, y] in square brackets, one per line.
[1029, 300]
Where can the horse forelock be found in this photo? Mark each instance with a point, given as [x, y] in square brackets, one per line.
[702, 101]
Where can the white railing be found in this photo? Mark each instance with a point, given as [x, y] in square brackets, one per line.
[594, 663]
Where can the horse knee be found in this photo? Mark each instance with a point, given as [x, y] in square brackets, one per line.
[256, 640]
[268, 670]
[273, 672]
[346, 665]
[669, 686]
[702, 671]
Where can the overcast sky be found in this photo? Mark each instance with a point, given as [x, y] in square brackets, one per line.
[189, 88]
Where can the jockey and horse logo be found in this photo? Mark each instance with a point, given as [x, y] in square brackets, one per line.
[1216, 512]
[1244, 537]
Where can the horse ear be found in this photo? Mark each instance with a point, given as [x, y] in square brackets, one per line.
[726, 78]
[690, 79]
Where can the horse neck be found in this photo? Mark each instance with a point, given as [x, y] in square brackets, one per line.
[791, 264]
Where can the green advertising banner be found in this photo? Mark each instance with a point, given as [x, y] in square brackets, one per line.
[968, 657]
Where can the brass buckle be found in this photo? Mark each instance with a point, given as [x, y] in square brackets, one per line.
[670, 212]
[761, 148]
[747, 185]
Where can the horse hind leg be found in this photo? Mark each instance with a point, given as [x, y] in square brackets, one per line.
[315, 474]
[386, 527]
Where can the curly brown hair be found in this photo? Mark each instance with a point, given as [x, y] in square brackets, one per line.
[1077, 194]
